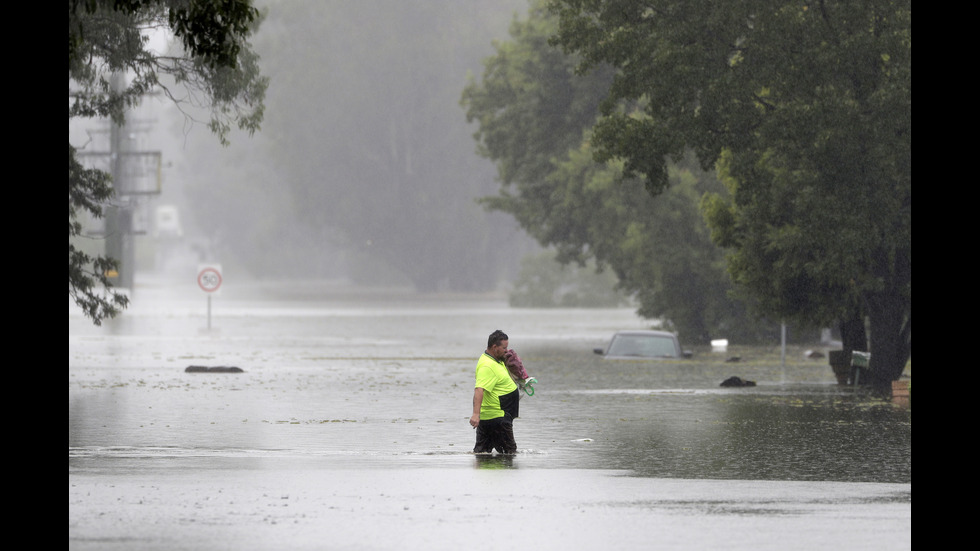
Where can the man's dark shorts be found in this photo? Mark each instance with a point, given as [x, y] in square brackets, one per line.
[498, 434]
[495, 434]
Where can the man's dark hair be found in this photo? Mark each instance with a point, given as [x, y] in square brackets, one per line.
[496, 337]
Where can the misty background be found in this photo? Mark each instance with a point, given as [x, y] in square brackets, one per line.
[365, 169]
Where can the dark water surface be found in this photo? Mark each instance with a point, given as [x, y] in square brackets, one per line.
[344, 396]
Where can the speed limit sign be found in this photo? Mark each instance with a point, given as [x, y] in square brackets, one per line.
[209, 278]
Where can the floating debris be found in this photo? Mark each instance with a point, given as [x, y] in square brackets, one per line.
[736, 381]
[216, 369]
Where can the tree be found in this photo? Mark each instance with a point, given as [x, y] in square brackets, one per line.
[806, 109]
[88, 189]
[534, 116]
[112, 65]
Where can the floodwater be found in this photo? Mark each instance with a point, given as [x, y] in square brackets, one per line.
[348, 430]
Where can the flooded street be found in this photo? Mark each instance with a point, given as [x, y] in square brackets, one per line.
[348, 430]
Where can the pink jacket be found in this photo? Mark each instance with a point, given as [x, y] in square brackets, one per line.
[514, 365]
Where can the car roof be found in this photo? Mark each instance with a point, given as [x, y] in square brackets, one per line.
[650, 332]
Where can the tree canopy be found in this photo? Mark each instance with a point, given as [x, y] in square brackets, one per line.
[211, 67]
[805, 107]
[535, 116]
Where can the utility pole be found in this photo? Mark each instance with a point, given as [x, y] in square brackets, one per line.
[119, 217]
[134, 174]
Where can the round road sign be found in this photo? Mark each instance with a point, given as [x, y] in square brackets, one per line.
[209, 279]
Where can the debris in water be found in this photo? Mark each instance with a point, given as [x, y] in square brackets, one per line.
[736, 381]
[217, 369]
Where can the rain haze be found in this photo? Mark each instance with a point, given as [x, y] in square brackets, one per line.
[359, 280]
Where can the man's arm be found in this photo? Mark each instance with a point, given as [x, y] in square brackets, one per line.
[477, 402]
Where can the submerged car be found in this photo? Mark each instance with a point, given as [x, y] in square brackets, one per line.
[638, 345]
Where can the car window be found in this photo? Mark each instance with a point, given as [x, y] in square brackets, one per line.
[642, 345]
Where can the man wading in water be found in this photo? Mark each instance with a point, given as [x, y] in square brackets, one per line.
[495, 399]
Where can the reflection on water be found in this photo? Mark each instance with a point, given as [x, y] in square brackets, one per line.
[793, 436]
[493, 461]
[392, 379]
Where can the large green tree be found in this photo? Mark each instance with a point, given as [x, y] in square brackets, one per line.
[806, 108]
[112, 64]
[534, 116]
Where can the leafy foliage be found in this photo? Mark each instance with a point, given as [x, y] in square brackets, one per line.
[88, 190]
[806, 109]
[215, 70]
[535, 115]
